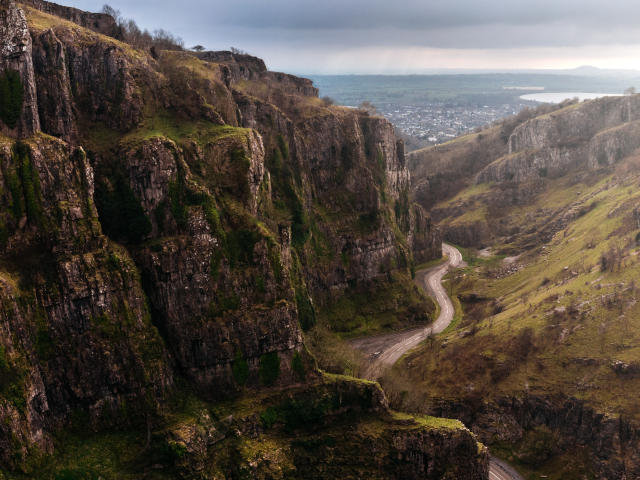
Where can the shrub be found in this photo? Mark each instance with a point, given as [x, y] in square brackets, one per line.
[119, 210]
[76, 474]
[240, 369]
[17, 202]
[24, 185]
[30, 182]
[283, 146]
[240, 245]
[369, 222]
[538, 446]
[306, 312]
[269, 369]
[224, 304]
[286, 194]
[269, 417]
[213, 217]
[11, 97]
[128, 31]
[304, 413]
[611, 260]
[297, 365]
[177, 205]
[603, 159]
[4, 363]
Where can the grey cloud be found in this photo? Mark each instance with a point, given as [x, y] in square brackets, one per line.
[430, 23]
[421, 14]
[279, 26]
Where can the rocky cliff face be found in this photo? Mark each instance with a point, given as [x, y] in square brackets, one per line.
[334, 429]
[611, 442]
[19, 111]
[175, 221]
[588, 136]
[71, 298]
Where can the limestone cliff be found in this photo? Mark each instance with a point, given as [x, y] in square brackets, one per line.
[169, 225]
[587, 136]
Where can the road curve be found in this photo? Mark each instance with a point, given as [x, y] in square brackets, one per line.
[385, 350]
[499, 470]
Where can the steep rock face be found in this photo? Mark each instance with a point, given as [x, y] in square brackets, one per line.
[225, 233]
[352, 165]
[105, 81]
[55, 105]
[575, 123]
[241, 66]
[612, 442]
[424, 238]
[86, 77]
[150, 168]
[396, 453]
[217, 296]
[349, 171]
[248, 68]
[15, 56]
[24, 411]
[215, 317]
[588, 135]
[72, 299]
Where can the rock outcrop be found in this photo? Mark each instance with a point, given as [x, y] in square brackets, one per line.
[611, 442]
[19, 116]
[588, 136]
[98, 22]
[376, 443]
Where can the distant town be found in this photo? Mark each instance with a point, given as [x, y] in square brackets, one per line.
[438, 123]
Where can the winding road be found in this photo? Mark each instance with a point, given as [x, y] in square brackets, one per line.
[385, 350]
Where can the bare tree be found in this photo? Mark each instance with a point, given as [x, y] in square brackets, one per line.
[197, 48]
[328, 101]
[129, 32]
[109, 10]
[368, 107]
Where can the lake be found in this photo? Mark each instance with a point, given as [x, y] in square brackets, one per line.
[557, 97]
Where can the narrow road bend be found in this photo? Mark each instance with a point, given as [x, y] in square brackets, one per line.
[385, 350]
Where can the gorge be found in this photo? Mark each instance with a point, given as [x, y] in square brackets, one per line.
[191, 246]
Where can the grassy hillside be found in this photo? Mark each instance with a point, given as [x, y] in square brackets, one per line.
[550, 310]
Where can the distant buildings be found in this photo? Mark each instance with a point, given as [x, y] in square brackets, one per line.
[439, 123]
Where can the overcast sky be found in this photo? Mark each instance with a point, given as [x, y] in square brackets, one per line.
[402, 36]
